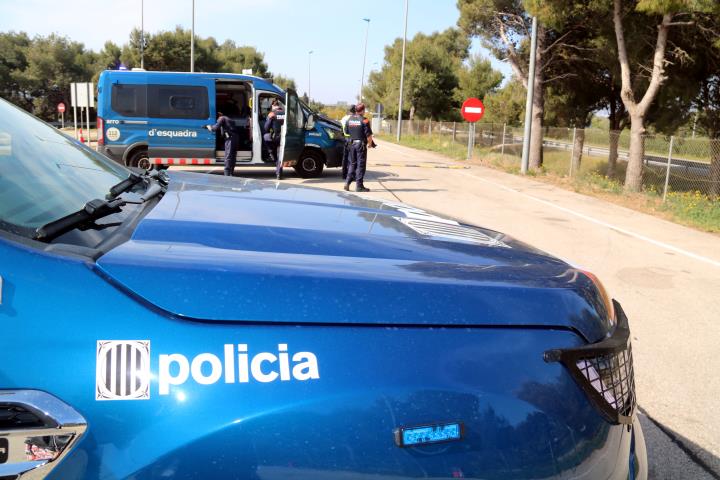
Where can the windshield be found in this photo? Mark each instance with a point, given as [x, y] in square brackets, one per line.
[44, 174]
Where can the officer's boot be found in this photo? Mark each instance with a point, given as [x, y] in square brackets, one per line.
[361, 188]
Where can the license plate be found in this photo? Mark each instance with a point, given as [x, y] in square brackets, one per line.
[428, 434]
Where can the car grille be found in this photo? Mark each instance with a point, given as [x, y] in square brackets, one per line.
[604, 370]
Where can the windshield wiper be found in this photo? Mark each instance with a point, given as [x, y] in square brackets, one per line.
[97, 209]
[93, 210]
[124, 186]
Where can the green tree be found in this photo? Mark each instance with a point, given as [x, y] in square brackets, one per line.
[284, 82]
[234, 58]
[477, 78]
[53, 63]
[432, 65]
[107, 58]
[506, 105]
[637, 99]
[13, 61]
[504, 27]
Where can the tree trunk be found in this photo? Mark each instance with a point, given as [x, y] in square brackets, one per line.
[538, 105]
[633, 175]
[613, 144]
[578, 146]
[715, 168]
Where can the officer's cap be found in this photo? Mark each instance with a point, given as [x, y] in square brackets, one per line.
[351, 109]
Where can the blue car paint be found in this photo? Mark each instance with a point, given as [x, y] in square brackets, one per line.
[309, 243]
[229, 262]
[318, 140]
[526, 419]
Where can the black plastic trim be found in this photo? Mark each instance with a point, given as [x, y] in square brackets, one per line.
[617, 342]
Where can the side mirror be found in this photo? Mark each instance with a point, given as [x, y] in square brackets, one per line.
[310, 122]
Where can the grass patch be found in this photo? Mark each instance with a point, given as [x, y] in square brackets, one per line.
[438, 144]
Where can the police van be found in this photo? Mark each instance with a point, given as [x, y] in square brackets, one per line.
[157, 119]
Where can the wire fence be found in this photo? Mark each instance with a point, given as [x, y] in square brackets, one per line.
[672, 165]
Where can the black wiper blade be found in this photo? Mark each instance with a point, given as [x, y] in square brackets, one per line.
[122, 187]
[93, 210]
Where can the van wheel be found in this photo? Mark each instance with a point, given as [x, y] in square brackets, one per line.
[310, 164]
[140, 159]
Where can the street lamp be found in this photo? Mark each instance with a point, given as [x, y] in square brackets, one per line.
[362, 77]
[142, 34]
[192, 39]
[529, 100]
[309, 57]
[402, 76]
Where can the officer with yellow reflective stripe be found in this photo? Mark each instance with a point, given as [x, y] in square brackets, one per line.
[361, 136]
[346, 149]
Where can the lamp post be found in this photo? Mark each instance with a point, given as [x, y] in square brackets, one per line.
[529, 100]
[362, 77]
[309, 57]
[142, 34]
[192, 39]
[402, 76]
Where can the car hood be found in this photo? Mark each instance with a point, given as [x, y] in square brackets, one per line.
[235, 250]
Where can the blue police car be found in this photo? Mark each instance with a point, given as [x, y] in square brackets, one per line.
[185, 326]
[148, 119]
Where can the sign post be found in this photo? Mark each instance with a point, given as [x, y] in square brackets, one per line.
[82, 96]
[472, 110]
[61, 111]
[73, 102]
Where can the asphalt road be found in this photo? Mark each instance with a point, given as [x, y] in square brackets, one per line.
[666, 276]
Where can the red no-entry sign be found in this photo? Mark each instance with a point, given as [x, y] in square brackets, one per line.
[61, 107]
[472, 109]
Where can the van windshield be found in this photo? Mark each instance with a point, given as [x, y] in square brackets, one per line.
[44, 174]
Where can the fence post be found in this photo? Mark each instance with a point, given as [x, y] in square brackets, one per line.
[667, 173]
[502, 148]
[572, 153]
[454, 132]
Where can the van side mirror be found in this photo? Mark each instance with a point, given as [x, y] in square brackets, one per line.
[310, 122]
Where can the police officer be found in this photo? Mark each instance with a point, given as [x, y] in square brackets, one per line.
[346, 149]
[271, 136]
[360, 137]
[228, 131]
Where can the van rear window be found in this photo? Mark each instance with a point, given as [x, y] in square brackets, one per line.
[177, 101]
[160, 101]
[129, 100]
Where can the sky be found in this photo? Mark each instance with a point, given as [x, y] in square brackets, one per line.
[284, 30]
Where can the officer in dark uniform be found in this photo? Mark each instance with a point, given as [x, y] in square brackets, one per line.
[346, 149]
[360, 138]
[271, 136]
[228, 131]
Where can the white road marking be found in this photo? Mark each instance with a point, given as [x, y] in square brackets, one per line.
[588, 218]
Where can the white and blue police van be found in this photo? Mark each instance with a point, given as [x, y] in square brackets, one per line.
[158, 119]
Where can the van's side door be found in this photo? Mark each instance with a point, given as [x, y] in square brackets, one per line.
[178, 111]
[292, 141]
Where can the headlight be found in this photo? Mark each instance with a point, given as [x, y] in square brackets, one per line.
[333, 134]
[604, 370]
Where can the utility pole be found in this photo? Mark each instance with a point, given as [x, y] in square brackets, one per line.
[362, 77]
[402, 76]
[529, 100]
[309, 56]
[142, 34]
[192, 39]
